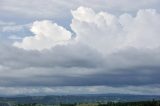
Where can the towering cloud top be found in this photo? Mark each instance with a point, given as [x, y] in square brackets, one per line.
[107, 32]
[102, 31]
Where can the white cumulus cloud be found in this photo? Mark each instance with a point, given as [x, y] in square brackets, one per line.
[107, 32]
[47, 35]
[102, 31]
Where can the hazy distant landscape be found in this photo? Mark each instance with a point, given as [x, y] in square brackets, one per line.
[140, 103]
[83, 100]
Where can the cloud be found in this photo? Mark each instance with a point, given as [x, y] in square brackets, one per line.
[12, 27]
[2, 23]
[60, 9]
[68, 90]
[142, 30]
[130, 6]
[47, 35]
[107, 50]
[113, 32]
[11, 31]
[97, 30]
[107, 32]
[117, 51]
[69, 66]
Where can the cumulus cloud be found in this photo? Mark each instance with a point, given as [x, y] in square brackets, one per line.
[47, 35]
[97, 30]
[103, 31]
[142, 30]
[107, 32]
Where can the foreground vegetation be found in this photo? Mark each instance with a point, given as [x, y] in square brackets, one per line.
[142, 103]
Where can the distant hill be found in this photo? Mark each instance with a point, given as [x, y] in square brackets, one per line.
[91, 98]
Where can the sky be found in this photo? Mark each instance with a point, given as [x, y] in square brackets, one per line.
[59, 47]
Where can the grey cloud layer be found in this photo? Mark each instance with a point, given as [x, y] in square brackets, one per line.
[38, 9]
[77, 65]
[149, 90]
